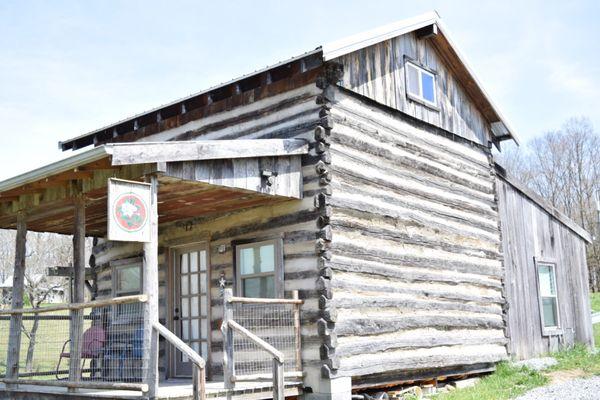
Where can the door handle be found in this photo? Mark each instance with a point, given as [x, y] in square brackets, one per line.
[176, 318]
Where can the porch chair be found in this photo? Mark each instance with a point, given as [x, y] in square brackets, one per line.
[92, 349]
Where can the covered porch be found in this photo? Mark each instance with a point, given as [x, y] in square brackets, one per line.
[110, 346]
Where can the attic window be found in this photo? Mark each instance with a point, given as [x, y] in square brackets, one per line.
[420, 84]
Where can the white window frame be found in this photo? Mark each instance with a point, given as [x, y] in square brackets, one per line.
[419, 97]
[277, 272]
[548, 330]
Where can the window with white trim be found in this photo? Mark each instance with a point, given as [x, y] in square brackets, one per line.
[548, 295]
[420, 84]
[259, 269]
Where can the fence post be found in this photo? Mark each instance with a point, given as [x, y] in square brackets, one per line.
[228, 360]
[199, 382]
[150, 287]
[14, 335]
[297, 331]
[278, 388]
[76, 320]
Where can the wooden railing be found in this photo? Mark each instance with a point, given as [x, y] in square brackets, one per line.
[75, 319]
[199, 372]
[230, 325]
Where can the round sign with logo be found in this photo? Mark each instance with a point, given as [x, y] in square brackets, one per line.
[130, 212]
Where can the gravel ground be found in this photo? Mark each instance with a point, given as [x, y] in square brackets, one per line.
[576, 389]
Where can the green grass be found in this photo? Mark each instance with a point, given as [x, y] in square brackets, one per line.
[578, 357]
[510, 381]
[506, 383]
[51, 336]
[595, 298]
[597, 335]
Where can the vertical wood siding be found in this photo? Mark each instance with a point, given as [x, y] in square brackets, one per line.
[415, 251]
[378, 73]
[527, 232]
[293, 114]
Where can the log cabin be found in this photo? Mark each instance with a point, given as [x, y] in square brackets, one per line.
[331, 223]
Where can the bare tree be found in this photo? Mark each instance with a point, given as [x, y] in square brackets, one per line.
[562, 167]
[43, 250]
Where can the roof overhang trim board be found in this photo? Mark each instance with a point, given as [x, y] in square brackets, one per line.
[543, 204]
[156, 152]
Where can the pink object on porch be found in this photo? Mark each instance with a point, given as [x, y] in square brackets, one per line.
[93, 342]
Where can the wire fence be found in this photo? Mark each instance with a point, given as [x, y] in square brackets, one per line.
[110, 337]
[275, 323]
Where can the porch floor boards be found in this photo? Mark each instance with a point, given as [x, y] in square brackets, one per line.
[168, 390]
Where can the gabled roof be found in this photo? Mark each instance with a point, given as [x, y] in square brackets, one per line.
[444, 44]
[312, 59]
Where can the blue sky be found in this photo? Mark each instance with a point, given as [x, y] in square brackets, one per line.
[68, 67]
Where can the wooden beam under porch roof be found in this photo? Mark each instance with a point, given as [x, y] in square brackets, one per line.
[195, 178]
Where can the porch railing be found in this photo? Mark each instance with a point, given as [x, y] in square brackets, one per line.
[261, 340]
[96, 345]
[199, 372]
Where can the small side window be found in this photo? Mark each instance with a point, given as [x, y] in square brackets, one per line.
[127, 281]
[548, 296]
[259, 269]
[420, 84]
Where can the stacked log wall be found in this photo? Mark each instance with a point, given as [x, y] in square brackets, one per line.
[414, 255]
[293, 114]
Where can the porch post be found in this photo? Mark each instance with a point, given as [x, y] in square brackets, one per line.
[14, 338]
[76, 326]
[150, 285]
[228, 360]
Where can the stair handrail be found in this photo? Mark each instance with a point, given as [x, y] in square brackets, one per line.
[278, 358]
[199, 373]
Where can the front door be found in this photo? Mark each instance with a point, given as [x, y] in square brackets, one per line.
[191, 304]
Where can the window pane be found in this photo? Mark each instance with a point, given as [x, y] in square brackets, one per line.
[247, 261]
[184, 263]
[267, 258]
[203, 260]
[549, 310]
[204, 328]
[195, 330]
[259, 287]
[129, 279]
[185, 329]
[193, 283]
[185, 308]
[413, 79]
[203, 282]
[194, 301]
[547, 283]
[184, 285]
[428, 85]
[193, 261]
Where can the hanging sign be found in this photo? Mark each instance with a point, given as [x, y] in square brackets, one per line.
[129, 210]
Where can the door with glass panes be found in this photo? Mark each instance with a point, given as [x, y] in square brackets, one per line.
[191, 304]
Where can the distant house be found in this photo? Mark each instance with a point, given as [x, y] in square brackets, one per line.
[56, 294]
[360, 176]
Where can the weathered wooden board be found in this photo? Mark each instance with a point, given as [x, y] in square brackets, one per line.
[149, 152]
[531, 231]
[378, 73]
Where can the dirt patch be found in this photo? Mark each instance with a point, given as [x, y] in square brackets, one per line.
[564, 376]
